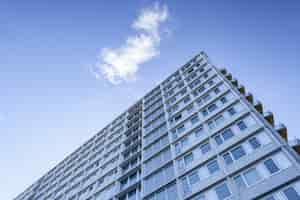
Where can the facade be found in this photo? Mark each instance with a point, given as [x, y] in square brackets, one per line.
[196, 136]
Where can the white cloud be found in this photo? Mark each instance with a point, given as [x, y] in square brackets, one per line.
[121, 64]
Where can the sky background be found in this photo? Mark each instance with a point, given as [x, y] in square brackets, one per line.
[51, 102]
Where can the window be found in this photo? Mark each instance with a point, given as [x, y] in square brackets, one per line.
[199, 197]
[194, 119]
[204, 113]
[185, 186]
[252, 176]
[218, 139]
[222, 191]
[190, 108]
[227, 158]
[177, 117]
[217, 90]
[181, 144]
[186, 99]
[231, 111]
[211, 125]
[212, 107]
[238, 152]
[211, 82]
[194, 178]
[219, 119]
[213, 166]
[227, 134]
[271, 166]
[206, 97]
[181, 128]
[223, 100]
[132, 195]
[199, 102]
[188, 158]
[241, 125]
[171, 192]
[239, 181]
[254, 143]
[205, 148]
[270, 198]
[199, 131]
[291, 194]
[177, 148]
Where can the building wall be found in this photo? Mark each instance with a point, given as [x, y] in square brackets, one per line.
[195, 136]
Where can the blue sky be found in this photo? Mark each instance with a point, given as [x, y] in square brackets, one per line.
[51, 101]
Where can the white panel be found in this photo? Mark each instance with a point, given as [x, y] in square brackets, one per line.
[238, 107]
[262, 170]
[247, 147]
[263, 138]
[282, 161]
[211, 195]
[203, 172]
[249, 121]
[230, 96]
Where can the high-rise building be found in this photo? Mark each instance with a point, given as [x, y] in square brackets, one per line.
[197, 136]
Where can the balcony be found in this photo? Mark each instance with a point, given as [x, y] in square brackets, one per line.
[282, 130]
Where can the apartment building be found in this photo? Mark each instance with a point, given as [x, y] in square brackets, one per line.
[196, 136]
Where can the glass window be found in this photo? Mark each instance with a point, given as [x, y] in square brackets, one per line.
[194, 119]
[177, 148]
[227, 158]
[291, 194]
[199, 102]
[190, 108]
[199, 131]
[184, 141]
[194, 178]
[222, 191]
[160, 195]
[205, 148]
[204, 113]
[219, 119]
[238, 152]
[271, 166]
[188, 158]
[254, 143]
[172, 192]
[177, 117]
[242, 126]
[239, 181]
[213, 166]
[186, 99]
[252, 176]
[131, 195]
[212, 107]
[185, 186]
[231, 111]
[270, 198]
[217, 90]
[199, 197]
[218, 139]
[181, 128]
[227, 134]
[211, 82]
[223, 100]
[206, 97]
[211, 124]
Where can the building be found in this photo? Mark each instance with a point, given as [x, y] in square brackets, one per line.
[196, 136]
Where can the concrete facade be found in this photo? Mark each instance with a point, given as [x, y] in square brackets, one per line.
[198, 135]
